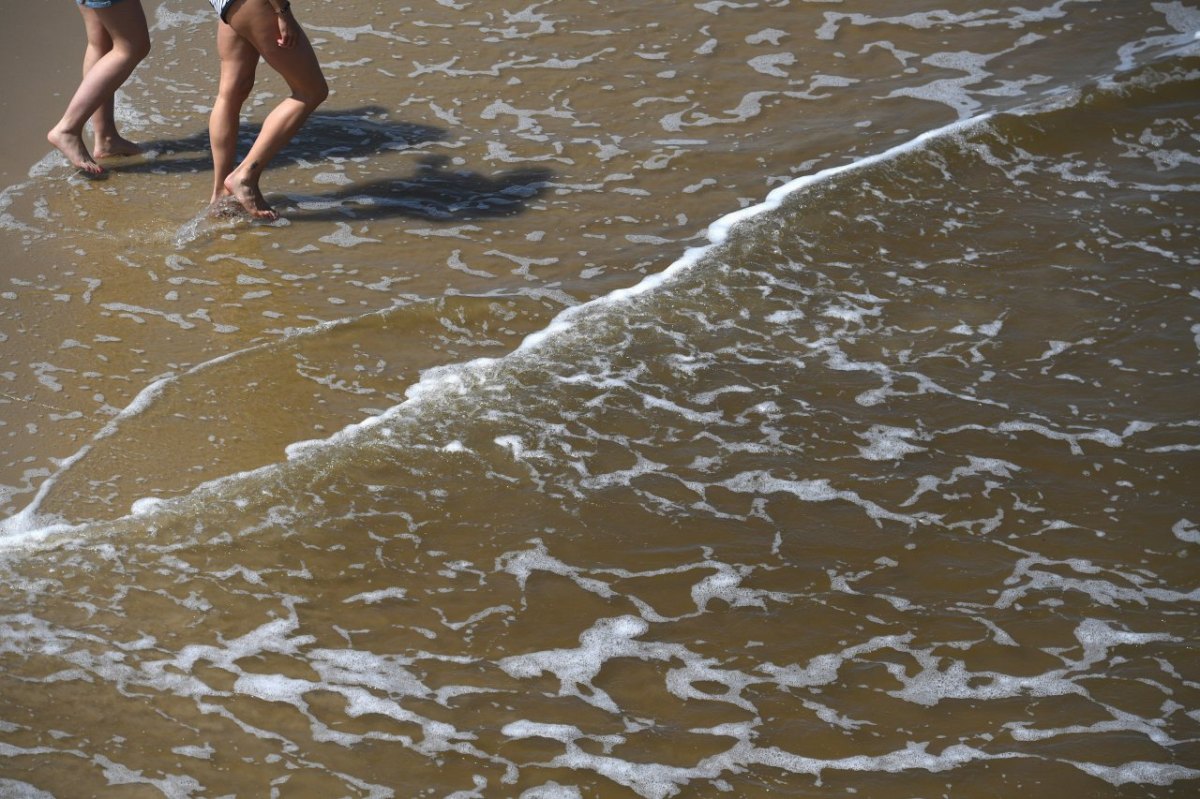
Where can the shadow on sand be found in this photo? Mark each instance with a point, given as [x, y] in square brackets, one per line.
[335, 134]
[433, 192]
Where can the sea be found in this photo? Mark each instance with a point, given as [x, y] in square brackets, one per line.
[733, 398]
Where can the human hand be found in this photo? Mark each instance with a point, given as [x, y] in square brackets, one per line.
[289, 30]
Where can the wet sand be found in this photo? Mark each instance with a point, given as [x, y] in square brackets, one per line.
[413, 494]
[41, 49]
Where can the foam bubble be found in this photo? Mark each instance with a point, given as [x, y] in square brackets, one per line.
[552, 790]
[1186, 530]
[374, 597]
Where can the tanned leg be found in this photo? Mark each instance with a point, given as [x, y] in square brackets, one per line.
[239, 61]
[297, 64]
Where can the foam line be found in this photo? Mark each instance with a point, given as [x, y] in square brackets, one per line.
[25, 521]
[26, 525]
[442, 380]
[720, 230]
[455, 378]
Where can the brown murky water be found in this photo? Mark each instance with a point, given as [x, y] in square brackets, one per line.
[713, 399]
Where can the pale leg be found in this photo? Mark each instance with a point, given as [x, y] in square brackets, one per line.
[125, 27]
[107, 141]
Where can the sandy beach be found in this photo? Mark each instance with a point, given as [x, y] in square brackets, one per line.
[40, 53]
[634, 401]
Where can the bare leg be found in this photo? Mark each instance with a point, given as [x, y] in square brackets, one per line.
[107, 141]
[258, 25]
[239, 60]
[125, 26]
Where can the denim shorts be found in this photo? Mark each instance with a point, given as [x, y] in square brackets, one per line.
[94, 4]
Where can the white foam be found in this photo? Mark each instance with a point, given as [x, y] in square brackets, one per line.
[460, 378]
[174, 787]
[1027, 578]
[457, 379]
[15, 789]
[720, 230]
[773, 64]
[1073, 439]
[552, 790]
[348, 34]
[772, 36]
[374, 597]
[577, 668]
[145, 506]
[166, 18]
[975, 466]
[759, 483]
[345, 237]
[887, 443]
[726, 585]
[1138, 772]
[1186, 530]
[1185, 20]
[30, 527]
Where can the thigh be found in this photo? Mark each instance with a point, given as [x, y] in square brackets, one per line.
[297, 65]
[124, 22]
[258, 25]
[239, 58]
[97, 35]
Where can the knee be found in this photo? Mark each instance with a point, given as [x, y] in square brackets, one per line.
[237, 90]
[133, 52]
[235, 86]
[314, 94]
[136, 50]
[321, 93]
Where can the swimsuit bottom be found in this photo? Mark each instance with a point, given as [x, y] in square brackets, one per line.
[221, 6]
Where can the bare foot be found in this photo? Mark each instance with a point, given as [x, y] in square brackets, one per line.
[115, 146]
[224, 207]
[251, 198]
[71, 145]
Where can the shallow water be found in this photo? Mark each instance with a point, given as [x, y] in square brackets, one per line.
[745, 399]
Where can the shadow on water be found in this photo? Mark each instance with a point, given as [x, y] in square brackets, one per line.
[432, 193]
[335, 134]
